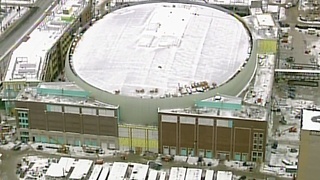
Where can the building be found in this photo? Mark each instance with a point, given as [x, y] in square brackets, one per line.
[309, 145]
[41, 54]
[81, 169]
[220, 127]
[170, 77]
[63, 113]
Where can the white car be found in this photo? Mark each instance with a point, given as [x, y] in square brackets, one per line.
[288, 5]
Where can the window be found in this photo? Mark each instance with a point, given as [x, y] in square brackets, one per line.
[255, 135]
[173, 151]
[260, 135]
[23, 119]
[255, 141]
[255, 147]
[190, 152]
[165, 150]
[260, 147]
[260, 154]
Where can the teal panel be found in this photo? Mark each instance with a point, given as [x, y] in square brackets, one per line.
[183, 152]
[94, 143]
[230, 123]
[44, 139]
[62, 92]
[48, 108]
[208, 154]
[52, 141]
[244, 157]
[237, 157]
[219, 105]
[77, 143]
[37, 138]
[61, 140]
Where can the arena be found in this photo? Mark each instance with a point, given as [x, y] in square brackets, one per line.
[162, 55]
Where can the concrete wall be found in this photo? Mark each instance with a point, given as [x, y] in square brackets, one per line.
[144, 111]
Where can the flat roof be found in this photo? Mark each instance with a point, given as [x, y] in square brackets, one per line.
[139, 171]
[193, 174]
[224, 175]
[246, 112]
[29, 58]
[105, 171]
[209, 174]
[60, 93]
[118, 170]
[310, 120]
[177, 173]
[261, 91]
[153, 174]
[265, 20]
[163, 175]
[156, 49]
[55, 170]
[96, 172]
[81, 169]
[66, 163]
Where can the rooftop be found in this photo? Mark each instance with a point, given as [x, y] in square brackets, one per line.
[224, 175]
[193, 174]
[139, 171]
[96, 172]
[209, 175]
[60, 93]
[310, 120]
[118, 170]
[61, 168]
[260, 93]
[223, 106]
[135, 51]
[81, 169]
[28, 59]
[177, 173]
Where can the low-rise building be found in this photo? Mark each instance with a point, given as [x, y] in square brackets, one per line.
[63, 113]
[220, 127]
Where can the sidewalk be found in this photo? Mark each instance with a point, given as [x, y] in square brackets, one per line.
[11, 17]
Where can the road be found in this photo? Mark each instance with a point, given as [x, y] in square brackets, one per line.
[22, 28]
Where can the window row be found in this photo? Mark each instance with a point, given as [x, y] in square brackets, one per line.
[76, 110]
[187, 152]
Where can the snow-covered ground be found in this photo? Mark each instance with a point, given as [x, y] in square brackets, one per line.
[194, 160]
[240, 165]
[73, 150]
[10, 16]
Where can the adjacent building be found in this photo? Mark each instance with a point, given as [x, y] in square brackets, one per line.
[41, 54]
[220, 127]
[62, 113]
[308, 167]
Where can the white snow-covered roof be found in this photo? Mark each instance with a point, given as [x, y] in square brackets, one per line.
[209, 174]
[96, 172]
[161, 46]
[28, 59]
[224, 175]
[153, 175]
[163, 175]
[139, 171]
[81, 169]
[193, 174]
[55, 170]
[265, 20]
[66, 163]
[177, 173]
[118, 170]
[105, 171]
[310, 120]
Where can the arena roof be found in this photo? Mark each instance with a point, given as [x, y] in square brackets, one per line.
[156, 49]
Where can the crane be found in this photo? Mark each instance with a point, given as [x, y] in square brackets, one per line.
[63, 148]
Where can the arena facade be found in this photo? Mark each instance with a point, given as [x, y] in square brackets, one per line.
[162, 55]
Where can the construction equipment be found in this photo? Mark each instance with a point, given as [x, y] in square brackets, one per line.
[290, 130]
[63, 148]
